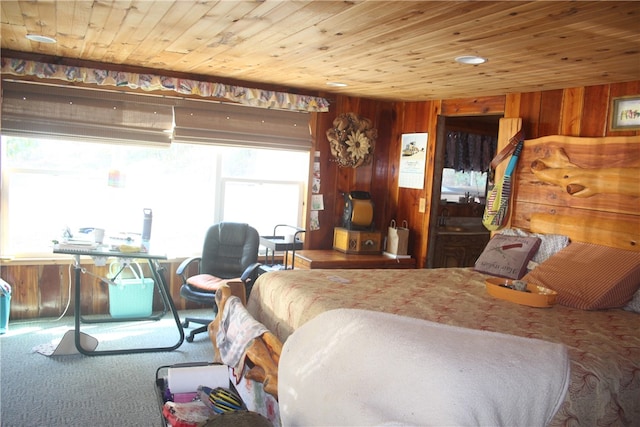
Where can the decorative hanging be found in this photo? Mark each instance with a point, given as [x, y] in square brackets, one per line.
[352, 139]
[150, 82]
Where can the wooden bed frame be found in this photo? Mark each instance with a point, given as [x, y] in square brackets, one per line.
[609, 216]
[263, 353]
[585, 188]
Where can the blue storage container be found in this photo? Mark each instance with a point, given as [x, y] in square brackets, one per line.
[131, 298]
[5, 309]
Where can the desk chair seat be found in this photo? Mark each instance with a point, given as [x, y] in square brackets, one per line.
[230, 254]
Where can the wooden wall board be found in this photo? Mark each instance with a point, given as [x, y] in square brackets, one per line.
[483, 105]
[617, 214]
[571, 114]
[51, 299]
[529, 108]
[594, 120]
[550, 115]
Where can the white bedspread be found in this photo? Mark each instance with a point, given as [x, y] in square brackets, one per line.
[357, 367]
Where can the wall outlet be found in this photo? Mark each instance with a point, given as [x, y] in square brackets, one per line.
[423, 205]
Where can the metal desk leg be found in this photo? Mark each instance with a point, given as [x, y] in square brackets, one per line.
[158, 273]
[167, 301]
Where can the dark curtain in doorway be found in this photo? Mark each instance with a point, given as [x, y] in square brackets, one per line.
[469, 152]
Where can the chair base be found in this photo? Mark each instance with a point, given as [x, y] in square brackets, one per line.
[200, 321]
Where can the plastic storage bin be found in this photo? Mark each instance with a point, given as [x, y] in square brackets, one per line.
[131, 298]
[5, 308]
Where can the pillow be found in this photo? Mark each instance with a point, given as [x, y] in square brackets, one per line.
[634, 304]
[590, 277]
[507, 256]
[550, 244]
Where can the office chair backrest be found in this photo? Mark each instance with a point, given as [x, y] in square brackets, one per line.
[229, 248]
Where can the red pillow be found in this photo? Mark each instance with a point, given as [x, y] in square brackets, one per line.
[590, 277]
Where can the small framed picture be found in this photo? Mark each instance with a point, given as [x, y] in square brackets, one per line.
[625, 113]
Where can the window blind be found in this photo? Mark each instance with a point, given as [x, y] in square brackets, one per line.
[72, 113]
[238, 125]
[80, 113]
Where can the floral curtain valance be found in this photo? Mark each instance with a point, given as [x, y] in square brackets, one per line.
[469, 152]
[148, 82]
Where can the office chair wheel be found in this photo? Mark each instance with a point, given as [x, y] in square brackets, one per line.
[189, 338]
[185, 324]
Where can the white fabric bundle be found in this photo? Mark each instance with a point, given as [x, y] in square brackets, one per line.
[355, 367]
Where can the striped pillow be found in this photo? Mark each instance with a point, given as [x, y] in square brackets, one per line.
[550, 244]
[590, 277]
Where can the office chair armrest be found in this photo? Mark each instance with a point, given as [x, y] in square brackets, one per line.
[249, 277]
[251, 272]
[183, 266]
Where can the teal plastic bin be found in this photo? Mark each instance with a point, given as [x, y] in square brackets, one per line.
[5, 308]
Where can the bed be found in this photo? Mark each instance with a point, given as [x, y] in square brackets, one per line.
[604, 346]
[603, 339]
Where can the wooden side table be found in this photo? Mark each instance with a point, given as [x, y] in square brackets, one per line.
[327, 259]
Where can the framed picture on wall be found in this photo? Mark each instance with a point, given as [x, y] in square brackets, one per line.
[625, 113]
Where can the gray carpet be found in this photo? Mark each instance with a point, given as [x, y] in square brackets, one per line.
[78, 390]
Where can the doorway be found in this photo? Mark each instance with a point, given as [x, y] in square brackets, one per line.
[475, 125]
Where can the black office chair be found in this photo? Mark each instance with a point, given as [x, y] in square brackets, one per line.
[230, 251]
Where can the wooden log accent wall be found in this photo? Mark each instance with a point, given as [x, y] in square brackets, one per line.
[585, 187]
[41, 289]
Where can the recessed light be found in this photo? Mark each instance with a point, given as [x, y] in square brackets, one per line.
[41, 39]
[336, 84]
[471, 59]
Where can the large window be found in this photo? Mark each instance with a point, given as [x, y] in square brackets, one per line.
[460, 184]
[48, 185]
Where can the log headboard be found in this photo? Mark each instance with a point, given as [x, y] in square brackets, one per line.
[586, 188]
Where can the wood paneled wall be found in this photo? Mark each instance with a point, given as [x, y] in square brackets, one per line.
[41, 290]
[581, 111]
[45, 290]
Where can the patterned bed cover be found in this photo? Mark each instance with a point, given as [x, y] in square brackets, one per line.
[604, 346]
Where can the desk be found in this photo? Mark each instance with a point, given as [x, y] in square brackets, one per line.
[159, 282]
[277, 243]
[325, 259]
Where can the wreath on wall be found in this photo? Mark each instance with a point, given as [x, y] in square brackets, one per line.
[352, 139]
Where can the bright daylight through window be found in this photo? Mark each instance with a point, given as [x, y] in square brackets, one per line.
[48, 185]
[459, 184]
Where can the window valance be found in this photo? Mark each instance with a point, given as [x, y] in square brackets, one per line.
[469, 152]
[242, 95]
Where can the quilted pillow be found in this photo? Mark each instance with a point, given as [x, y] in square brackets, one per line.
[507, 256]
[590, 277]
[550, 244]
[634, 304]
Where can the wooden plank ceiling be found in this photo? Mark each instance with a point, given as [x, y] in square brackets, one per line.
[393, 50]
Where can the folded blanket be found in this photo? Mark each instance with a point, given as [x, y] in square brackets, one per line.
[357, 367]
[237, 330]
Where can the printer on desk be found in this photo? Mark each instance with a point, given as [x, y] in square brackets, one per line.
[357, 234]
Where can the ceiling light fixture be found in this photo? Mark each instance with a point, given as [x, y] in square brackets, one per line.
[41, 39]
[337, 84]
[471, 59]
